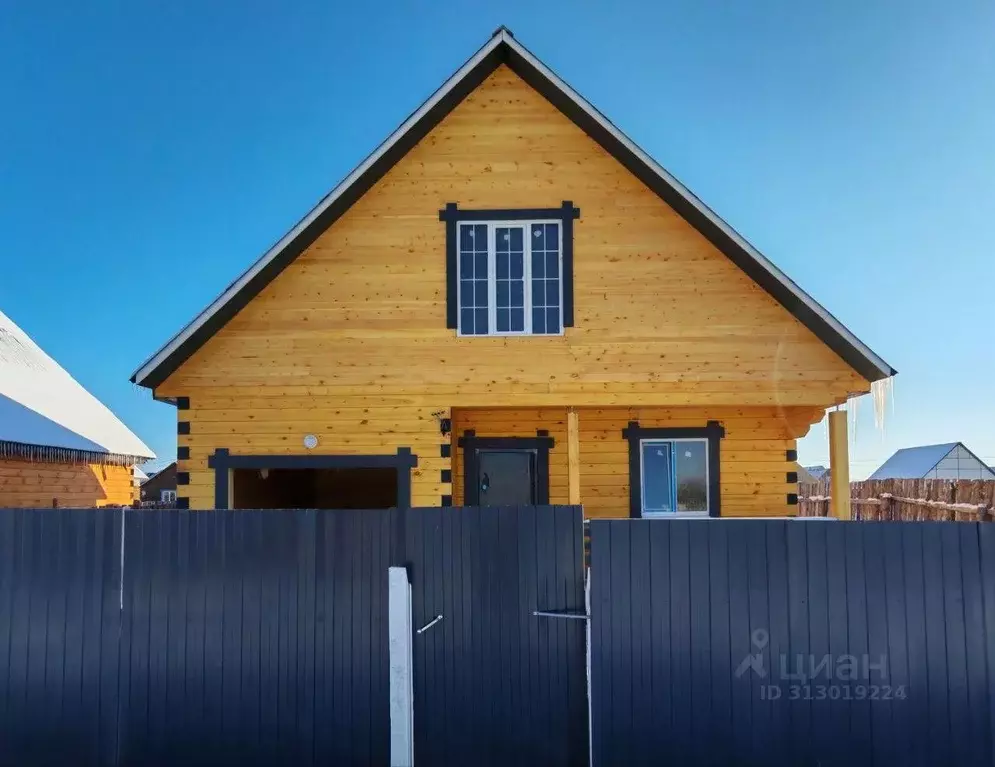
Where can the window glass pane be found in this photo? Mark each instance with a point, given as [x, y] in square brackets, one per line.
[480, 294]
[480, 264]
[552, 292]
[503, 294]
[503, 323]
[481, 323]
[466, 292]
[552, 320]
[466, 321]
[517, 320]
[466, 265]
[538, 263]
[539, 321]
[553, 264]
[691, 470]
[658, 477]
[517, 266]
[518, 293]
[538, 237]
[502, 265]
[552, 237]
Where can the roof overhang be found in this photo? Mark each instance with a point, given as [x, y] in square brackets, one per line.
[502, 48]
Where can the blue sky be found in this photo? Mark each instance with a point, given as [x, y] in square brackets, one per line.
[150, 151]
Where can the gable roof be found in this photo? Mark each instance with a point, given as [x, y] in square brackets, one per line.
[43, 408]
[502, 48]
[912, 462]
[916, 462]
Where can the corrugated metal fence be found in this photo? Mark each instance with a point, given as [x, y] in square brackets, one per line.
[260, 637]
[792, 643]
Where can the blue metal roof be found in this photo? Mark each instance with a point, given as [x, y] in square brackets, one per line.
[913, 462]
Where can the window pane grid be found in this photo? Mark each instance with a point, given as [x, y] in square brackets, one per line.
[510, 278]
[545, 262]
[473, 269]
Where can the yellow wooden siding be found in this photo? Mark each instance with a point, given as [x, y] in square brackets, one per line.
[35, 484]
[659, 311]
[350, 342]
[277, 425]
[753, 460]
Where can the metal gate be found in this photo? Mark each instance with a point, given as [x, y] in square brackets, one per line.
[495, 683]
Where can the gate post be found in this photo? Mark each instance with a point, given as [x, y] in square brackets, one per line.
[402, 752]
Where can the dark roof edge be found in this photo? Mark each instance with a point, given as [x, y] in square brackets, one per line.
[502, 48]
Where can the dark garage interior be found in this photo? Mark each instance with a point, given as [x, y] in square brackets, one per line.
[363, 488]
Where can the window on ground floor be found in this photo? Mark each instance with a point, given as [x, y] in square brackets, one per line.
[674, 471]
[674, 477]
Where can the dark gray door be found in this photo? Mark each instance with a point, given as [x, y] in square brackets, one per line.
[506, 477]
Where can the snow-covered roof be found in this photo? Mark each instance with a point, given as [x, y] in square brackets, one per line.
[42, 405]
[913, 462]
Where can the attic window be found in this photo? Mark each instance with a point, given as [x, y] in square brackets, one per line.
[509, 272]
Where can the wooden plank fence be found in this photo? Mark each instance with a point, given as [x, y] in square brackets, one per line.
[907, 500]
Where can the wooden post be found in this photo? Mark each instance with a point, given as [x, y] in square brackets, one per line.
[573, 457]
[839, 465]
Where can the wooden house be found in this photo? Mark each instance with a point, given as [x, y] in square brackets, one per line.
[508, 301]
[160, 488]
[59, 445]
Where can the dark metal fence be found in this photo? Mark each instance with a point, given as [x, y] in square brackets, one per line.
[229, 638]
[260, 637]
[792, 643]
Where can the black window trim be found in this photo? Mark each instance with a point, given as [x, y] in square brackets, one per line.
[470, 443]
[634, 434]
[222, 461]
[452, 215]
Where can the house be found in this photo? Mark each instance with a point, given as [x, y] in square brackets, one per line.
[818, 473]
[59, 446]
[160, 488]
[951, 460]
[507, 302]
[805, 477]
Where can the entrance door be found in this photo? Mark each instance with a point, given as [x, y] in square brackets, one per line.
[506, 477]
[505, 471]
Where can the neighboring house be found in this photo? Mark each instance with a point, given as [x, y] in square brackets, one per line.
[818, 473]
[59, 446]
[805, 477]
[160, 488]
[507, 302]
[950, 460]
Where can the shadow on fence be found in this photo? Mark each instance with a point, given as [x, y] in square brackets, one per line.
[907, 500]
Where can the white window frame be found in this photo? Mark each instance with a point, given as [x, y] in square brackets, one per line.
[492, 226]
[675, 514]
[167, 496]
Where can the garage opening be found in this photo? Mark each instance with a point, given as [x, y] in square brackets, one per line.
[351, 488]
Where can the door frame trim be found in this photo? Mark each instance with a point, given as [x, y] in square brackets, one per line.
[222, 461]
[470, 443]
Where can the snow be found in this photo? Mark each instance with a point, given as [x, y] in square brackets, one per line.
[41, 404]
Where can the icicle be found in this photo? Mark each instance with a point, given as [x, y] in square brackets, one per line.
[852, 406]
[48, 454]
[881, 392]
